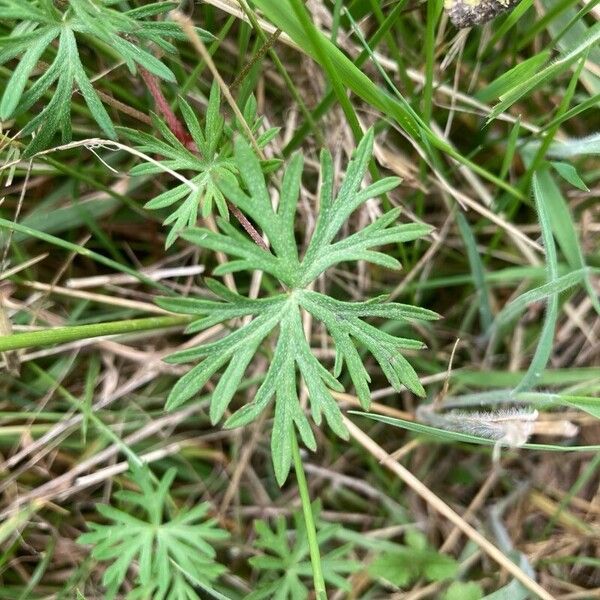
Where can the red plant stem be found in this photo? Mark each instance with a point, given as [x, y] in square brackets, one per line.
[181, 133]
[241, 217]
[174, 124]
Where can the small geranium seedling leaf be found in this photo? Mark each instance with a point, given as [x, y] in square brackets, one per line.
[142, 533]
[284, 564]
[208, 157]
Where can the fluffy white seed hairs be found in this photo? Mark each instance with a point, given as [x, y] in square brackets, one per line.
[510, 427]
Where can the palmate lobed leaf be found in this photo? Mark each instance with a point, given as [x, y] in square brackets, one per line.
[280, 316]
[153, 542]
[95, 20]
[282, 260]
[286, 562]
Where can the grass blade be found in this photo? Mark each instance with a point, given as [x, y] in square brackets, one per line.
[544, 346]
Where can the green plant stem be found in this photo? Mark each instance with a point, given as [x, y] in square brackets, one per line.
[323, 58]
[60, 335]
[336, 82]
[311, 531]
[434, 9]
[327, 101]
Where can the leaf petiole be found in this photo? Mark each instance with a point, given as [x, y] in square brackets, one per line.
[311, 531]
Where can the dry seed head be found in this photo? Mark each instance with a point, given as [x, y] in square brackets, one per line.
[466, 13]
[513, 426]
